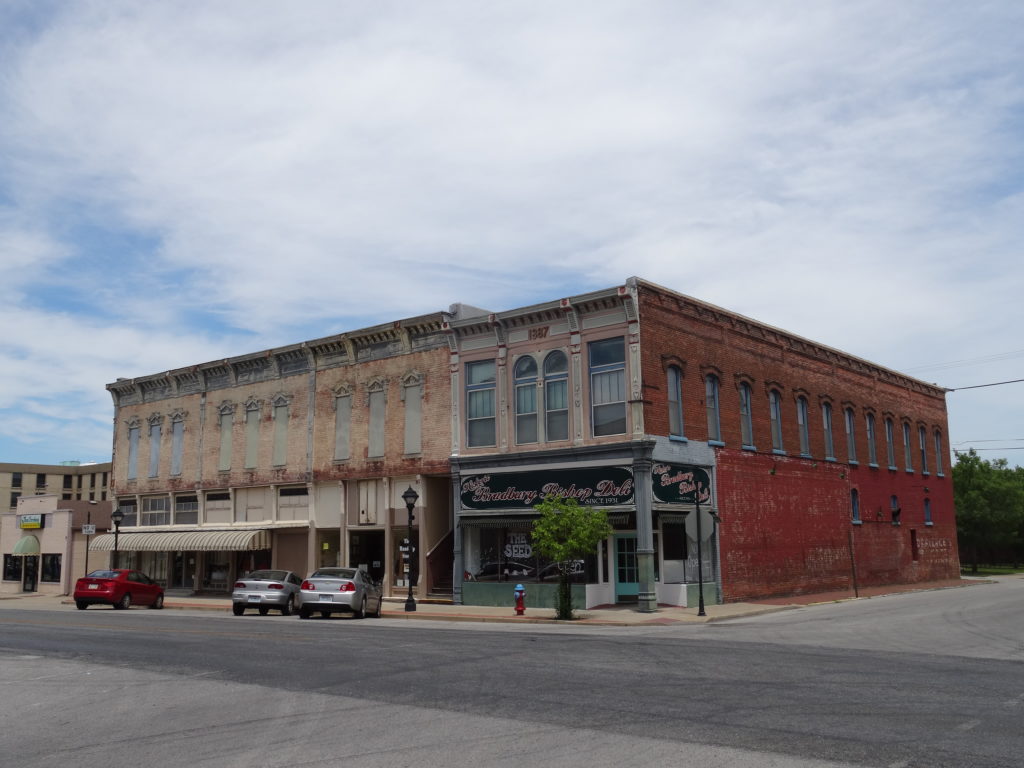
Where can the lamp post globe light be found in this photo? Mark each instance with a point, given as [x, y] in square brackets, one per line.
[116, 517]
[410, 497]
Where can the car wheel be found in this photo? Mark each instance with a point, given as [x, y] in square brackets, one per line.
[81, 605]
[238, 609]
[264, 610]
[158, 603]
[304, 613]
[124, 602]
[361, 613]
[380, 606]
[288, 606]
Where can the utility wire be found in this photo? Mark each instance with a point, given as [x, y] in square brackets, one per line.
[979, 386]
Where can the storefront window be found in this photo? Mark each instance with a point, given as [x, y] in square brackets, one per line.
[51, 568]
[12, 568]
[508, 554]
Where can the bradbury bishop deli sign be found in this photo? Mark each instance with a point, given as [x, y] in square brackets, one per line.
[680, 484]
[590, 486]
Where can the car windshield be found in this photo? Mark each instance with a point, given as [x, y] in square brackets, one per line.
[334, 573]
[267, 576]
[103, 575]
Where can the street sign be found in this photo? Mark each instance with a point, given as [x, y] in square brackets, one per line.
[89, 529]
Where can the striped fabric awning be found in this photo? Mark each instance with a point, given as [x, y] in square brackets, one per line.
[183, 541]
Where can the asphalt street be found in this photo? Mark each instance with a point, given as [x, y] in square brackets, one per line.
[927, 680]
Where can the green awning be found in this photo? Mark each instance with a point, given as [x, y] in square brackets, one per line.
[27, 545]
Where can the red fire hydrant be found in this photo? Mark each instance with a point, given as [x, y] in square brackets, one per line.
[520, 595]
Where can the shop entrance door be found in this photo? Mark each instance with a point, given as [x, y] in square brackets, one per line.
[627, 584]
[183, 571]
[30, 573]
[367, 548]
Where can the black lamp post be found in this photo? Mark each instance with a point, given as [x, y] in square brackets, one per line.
[88, 522]
[116, 517]
[700, 559]
[410, 497]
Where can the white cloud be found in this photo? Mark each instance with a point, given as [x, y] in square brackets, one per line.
[843, 171]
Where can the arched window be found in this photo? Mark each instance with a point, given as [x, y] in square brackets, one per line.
[775, 413]
[894, 509]
[924, 450]
[746, 416]
[711, 403]
[938, 453]
[826, 422]
[890, 444]
[801, 421]
[854, 505]
[525, 375]
[851, 435]
[908, 456]
[927, 511]
[556, 396]
[872, 452]
[675, 401]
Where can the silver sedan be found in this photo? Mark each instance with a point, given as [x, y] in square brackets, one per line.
[264, 590]
[340, 590]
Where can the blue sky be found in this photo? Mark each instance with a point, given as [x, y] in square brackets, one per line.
[185, 181]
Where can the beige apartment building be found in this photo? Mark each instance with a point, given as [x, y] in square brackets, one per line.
[68, 481]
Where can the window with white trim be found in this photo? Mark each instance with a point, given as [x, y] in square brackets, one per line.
[525, 382]
[851, 435]
[480, 396]
[938, 453]
[556, 396]
[608, 386]
[890, 444]
[908, 456]
[923, 445]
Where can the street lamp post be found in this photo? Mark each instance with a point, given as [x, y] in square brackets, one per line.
[700, 560]
[88, 522]
[116, 517]
[410, 497]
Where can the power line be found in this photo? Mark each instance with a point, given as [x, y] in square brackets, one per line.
[969, 361]
[979, 386]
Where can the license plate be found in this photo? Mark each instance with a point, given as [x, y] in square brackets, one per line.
[326, 598]
[94, 586]
[254, 598]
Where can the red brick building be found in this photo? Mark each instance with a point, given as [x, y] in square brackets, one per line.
[811, 470]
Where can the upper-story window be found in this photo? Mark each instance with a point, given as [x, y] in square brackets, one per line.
[177, 441]
[525, 374]
[826, 422]
[854, 505]
[927, 511]
[923, 445]
[675, 401]
[608, 386]
[480, 383]
[851, 435]
[155, 428]
[556, 396]
[133, 450]
[801, 422]
[938, 453]
[908, 456]
[872, 450]
[746, 416]
[775, 413]
[711, 388]
[890, 444]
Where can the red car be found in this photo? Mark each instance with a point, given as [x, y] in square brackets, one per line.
[119, 588]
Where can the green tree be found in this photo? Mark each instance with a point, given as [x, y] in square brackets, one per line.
[567, 532]
[989, 499]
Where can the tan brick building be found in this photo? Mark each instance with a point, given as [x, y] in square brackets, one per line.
[291, 458]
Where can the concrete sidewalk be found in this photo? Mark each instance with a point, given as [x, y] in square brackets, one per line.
[612, 615]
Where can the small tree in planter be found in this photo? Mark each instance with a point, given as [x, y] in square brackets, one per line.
[565, 533]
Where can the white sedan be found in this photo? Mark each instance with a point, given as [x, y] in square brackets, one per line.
[340, 590]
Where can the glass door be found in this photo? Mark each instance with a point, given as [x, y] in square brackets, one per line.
[30, 574]
[627, 579]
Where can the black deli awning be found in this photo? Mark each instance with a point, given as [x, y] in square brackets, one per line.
[184, 541]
